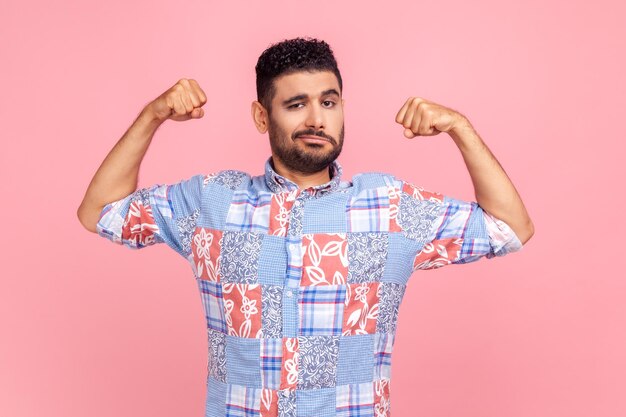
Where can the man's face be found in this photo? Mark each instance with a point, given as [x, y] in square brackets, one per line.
[306, 122]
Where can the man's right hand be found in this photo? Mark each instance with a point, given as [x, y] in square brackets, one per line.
[183, 101]
[117, 176]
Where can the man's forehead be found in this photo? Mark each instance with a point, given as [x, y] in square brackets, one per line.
[305, 82]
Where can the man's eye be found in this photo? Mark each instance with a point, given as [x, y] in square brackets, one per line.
[332, 103]
[293, 106]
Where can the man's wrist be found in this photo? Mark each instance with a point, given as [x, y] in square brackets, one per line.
[462, 131]
[461, 125]
[149, 117]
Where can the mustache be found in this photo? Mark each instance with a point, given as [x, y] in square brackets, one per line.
[312, 132]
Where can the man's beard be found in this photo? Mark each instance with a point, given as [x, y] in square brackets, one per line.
[303, 161]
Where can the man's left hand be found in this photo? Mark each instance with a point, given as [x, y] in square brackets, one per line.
[421, 117]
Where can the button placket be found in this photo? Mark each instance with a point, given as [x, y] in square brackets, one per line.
[293, 279]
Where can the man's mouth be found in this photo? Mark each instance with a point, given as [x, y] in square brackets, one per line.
[313, 139]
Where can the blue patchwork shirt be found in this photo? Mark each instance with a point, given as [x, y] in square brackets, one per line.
[301, 287]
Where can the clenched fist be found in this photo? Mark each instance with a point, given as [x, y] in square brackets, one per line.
[421, 117]
[183, 101]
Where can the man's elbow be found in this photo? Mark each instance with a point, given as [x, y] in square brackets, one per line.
[86, 220]
[526, 232]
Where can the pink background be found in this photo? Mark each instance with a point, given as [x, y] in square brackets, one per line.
[92, 329]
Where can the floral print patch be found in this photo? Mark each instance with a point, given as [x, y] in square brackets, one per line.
[361, 311]
[205, 247]
[242, 305]
[325, 259]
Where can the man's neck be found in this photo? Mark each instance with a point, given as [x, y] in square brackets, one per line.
[302, 180]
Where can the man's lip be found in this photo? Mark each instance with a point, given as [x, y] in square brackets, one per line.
[313, 137]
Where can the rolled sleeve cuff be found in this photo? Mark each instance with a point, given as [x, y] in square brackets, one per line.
[502, 238]
[112, 220]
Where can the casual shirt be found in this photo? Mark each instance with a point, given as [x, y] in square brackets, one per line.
[301, 287]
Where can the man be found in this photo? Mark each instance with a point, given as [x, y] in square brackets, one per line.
[300, 272]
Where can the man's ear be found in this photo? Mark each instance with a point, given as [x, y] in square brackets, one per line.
[259, 116]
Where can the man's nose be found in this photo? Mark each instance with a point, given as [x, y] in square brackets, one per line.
[315, 117]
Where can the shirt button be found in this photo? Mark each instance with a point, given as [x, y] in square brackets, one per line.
[289, 293]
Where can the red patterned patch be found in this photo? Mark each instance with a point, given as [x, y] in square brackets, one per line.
[289, 366]
[280, 210]
[394, 204]
[381, 398]
[438, 253]
[205, 247]
[139, 225]
[361, 311]
[242, 309]
[269, 403]
[324, 259]
[421, 194]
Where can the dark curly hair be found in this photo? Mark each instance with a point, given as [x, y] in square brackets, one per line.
[287, 57]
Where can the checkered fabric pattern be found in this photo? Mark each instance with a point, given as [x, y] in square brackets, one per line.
[355, 400]
[301, 288]
[242, 401]
[321, 310]
[271, 362]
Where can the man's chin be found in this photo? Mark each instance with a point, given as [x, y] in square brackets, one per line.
[312, 163]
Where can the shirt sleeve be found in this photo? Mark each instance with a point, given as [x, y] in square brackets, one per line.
[161, 213]
[451, 231]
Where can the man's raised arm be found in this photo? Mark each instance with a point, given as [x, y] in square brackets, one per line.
[494, 191]
[117, 176]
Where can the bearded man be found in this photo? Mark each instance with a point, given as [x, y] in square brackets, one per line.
[301, 273]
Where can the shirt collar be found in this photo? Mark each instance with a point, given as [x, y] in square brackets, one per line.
[279, 184]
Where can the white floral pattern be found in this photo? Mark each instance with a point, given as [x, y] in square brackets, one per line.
[205, 247]
[323, 255]
[241, 309]
[361, 309]
[382, 406]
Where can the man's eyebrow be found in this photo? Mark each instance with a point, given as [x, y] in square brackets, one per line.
[305, 96]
